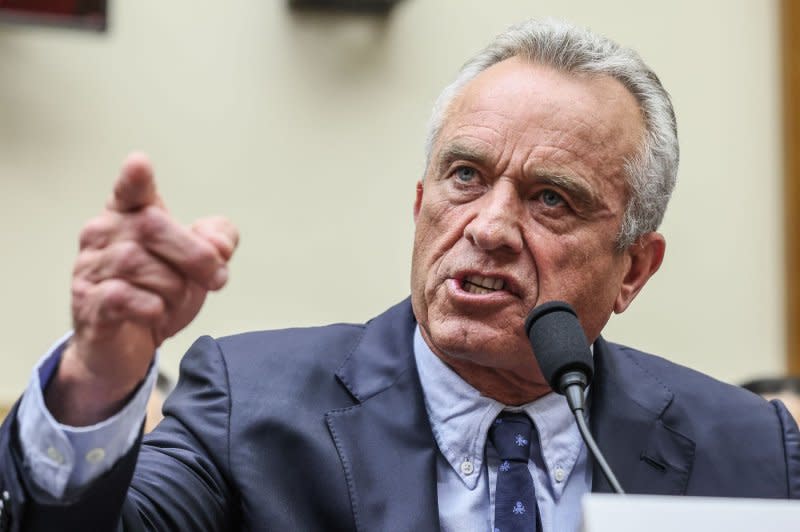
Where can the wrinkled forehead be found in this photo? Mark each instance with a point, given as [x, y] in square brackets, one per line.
[535, 93]
[516, 108]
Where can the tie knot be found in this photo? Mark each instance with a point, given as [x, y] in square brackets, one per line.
[511, 436]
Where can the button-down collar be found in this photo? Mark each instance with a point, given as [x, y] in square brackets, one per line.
[460, 418]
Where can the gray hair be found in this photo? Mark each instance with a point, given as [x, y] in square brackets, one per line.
[651, 172]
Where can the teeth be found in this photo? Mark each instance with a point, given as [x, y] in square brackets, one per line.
[473, 289]
[477, 284]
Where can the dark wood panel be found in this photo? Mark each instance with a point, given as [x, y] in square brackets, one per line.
[790, 45]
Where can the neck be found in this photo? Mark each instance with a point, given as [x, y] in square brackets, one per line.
[509, 387]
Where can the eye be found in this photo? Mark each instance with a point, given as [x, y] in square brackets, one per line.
[551, 198]
[465, 174]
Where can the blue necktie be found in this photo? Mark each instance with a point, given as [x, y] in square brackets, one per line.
[515, 508]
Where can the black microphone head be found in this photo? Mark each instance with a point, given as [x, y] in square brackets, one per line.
[558, 342]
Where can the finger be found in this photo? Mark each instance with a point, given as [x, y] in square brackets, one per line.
[98, 232]
[219, 231]
[129, 261]
[135, 187]
[191, 301]
[190, 254]
[113, 301]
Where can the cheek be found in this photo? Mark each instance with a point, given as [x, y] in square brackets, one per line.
[576, 268]
[557, 256]
[428, 237]
[437, 233]
[591, 280]
[424, 244]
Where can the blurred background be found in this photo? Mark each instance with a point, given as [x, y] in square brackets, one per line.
[306, 128]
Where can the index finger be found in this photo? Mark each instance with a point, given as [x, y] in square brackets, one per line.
[135, 187]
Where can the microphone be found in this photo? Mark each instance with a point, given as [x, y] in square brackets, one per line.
[560, 347]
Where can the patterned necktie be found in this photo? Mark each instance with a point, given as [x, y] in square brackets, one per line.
[515, 507]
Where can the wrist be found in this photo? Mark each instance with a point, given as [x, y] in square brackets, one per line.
[81, 393]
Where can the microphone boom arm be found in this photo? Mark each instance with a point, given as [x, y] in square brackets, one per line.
[573, 384]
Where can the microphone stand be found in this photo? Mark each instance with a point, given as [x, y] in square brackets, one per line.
[572, 385]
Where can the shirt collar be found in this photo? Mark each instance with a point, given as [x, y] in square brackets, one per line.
[460, 419]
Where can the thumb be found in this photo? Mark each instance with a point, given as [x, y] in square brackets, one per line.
[135, 187]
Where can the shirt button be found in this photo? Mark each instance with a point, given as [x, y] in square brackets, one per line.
[560, 474]
[95, 455]
[55, 456]
[466, 467]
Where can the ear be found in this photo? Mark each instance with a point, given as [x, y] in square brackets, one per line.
[645, 256]
[418, 200]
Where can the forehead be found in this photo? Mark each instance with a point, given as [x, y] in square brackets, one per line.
[518, 110]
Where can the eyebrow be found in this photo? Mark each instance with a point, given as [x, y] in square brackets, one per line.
[459, 151]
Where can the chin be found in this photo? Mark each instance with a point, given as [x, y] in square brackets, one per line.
[477, 342]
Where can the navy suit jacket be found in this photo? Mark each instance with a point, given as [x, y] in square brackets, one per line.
[326, 429]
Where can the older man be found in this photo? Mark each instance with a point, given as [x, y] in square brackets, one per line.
[551, 159]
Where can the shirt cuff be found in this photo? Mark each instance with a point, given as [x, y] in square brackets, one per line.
[62, 458]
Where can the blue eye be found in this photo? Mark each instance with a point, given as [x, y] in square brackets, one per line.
[551, 199]
[465, 174]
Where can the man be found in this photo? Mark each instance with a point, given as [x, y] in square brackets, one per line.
[550, 162]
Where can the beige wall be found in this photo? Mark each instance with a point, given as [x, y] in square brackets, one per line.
[307, 131]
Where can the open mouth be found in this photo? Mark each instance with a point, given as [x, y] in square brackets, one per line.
[478, 284]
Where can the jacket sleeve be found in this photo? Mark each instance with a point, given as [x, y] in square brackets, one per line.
[25, 507]
[12, 493]
[791, 445]
[177, 479]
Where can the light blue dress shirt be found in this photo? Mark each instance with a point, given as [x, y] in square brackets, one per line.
[467, 467]
[63, 458]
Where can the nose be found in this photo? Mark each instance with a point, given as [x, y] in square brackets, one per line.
[496, 225]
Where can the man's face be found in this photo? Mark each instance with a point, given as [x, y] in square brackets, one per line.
[521, 204]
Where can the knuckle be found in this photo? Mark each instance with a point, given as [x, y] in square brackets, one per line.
[83, 263]
[113, 300]
[128, 257]
[115, 294]
[95, 232]
[150, 222]
[79, 290]
[203, 257]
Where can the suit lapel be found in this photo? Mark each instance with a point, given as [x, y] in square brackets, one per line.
[626, 415]
[385, 441]
[389, 455]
